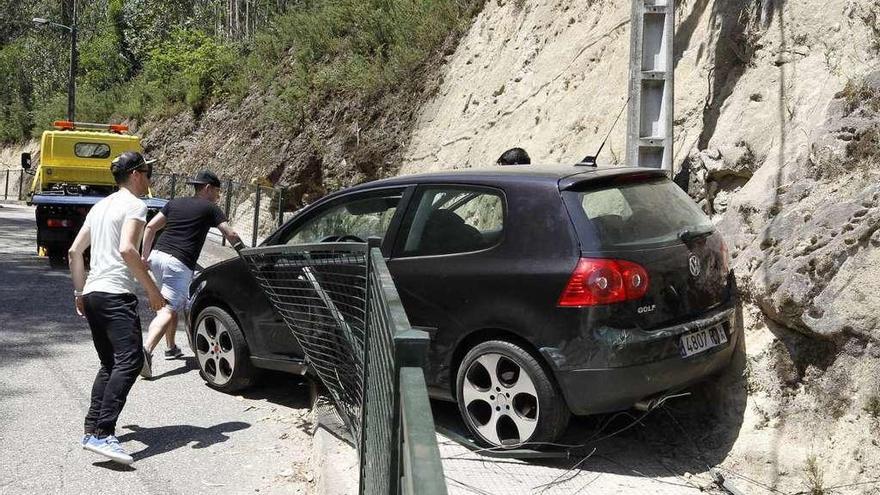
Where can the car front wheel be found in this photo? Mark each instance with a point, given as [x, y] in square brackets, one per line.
[222, 352]
[507, 399]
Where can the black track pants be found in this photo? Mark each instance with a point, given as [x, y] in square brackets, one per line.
[116, 332]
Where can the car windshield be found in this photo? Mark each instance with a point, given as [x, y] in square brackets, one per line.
[636, 214]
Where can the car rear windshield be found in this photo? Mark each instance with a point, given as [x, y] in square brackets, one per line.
[630, 214]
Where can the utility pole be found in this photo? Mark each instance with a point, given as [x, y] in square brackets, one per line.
[651, 90]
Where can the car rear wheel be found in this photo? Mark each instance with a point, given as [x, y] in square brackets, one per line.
[222, 352]
[507, 398]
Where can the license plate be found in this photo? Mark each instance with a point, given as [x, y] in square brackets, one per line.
[702, 340]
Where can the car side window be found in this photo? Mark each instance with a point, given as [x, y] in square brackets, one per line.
[354, 220]
[451, 220]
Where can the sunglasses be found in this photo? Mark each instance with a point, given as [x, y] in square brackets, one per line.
[148, 171]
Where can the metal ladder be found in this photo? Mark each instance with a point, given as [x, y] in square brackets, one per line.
[651, 74]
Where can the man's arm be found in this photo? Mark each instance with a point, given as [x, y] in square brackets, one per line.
[131, 234]
[76, 259]
[231, 236]
[156, 224]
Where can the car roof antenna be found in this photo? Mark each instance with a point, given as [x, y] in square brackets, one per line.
[590, 160]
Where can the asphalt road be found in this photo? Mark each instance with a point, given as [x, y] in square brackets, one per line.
[184, 436]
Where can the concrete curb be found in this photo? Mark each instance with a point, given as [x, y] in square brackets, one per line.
[334, 457]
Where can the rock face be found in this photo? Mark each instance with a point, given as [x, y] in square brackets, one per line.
[777, 138]
[809, 259]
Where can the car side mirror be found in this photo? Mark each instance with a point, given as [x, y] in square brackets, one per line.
[26, 161]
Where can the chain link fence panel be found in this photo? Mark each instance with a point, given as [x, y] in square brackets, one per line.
[253, 210]
[340, 303]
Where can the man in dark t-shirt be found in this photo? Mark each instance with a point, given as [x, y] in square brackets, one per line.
[186, 222]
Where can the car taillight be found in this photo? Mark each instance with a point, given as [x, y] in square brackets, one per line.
[56, 222]
[604, 281]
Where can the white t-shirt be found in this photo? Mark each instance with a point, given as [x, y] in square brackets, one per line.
[109, 273]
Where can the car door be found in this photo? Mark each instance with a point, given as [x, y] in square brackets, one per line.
[354, 217]
[445, 261]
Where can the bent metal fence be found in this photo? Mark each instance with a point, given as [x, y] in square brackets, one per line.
[340, 302]
[253, 210]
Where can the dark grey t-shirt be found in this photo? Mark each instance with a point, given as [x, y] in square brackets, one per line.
[188, 221]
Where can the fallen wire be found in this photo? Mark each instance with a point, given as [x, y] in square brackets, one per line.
[587, 484]
[702, 458]
[470, 487]
[836, 487]
[587, 443]
[558, 480]
[643, 475]
[752, 481]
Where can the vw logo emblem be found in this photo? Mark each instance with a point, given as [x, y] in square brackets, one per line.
[694, 265]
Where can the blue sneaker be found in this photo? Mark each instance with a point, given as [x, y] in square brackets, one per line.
[85, 439]
[108, 447]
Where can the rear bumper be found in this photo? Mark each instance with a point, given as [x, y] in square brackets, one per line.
[601, 390]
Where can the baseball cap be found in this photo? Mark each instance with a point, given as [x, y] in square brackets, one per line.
[205, 177]
[130, 161]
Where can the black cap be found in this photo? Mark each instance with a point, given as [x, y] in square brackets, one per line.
[128, 161]
[205, 177]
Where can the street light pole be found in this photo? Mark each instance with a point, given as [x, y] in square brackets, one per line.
[71, 83]
[71, 80]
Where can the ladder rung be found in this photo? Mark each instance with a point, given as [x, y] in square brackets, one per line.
[655, 9]
[651, 142]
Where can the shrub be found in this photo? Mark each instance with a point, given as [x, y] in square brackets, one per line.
[363, 47]
[191, 65]
[814, 476]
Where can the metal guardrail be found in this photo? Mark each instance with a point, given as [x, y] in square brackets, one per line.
[254, 211]
[14, 184]
[340, 302]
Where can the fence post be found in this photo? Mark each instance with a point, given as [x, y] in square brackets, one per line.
[20, 183]
[372, 242]
[256, 217]
[6, 192]
[228, 205]
[173, 185]
[280, 207]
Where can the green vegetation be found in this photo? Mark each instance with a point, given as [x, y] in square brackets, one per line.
[141, 59]
[814, 476]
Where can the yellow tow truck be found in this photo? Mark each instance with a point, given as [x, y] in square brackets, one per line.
[73, 175]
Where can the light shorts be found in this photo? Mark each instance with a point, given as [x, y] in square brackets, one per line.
[173, 278]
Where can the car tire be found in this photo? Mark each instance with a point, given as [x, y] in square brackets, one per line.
[221, 351]
[507, 398]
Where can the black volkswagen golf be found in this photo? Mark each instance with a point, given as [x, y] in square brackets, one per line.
[546, 291]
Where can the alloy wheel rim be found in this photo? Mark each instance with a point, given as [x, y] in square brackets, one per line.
[500, 400]
[215, 350]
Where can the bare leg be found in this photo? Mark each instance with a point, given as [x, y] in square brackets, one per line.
[171, 331]
[158, 327]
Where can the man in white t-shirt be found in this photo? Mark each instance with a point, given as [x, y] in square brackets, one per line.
[113, 228]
